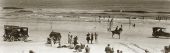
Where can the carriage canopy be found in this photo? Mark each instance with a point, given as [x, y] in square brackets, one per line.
[157, 28]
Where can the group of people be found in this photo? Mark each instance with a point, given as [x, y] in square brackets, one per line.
[72, 39]
[91, 36]
[78, 48]
[108, 49]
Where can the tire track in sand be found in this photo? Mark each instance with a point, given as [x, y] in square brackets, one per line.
[137, 46]
[135, 51]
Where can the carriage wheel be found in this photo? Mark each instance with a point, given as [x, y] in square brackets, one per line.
[25, 39]
[12, 38]
[156, 36]
[4, 38]
[22, 38]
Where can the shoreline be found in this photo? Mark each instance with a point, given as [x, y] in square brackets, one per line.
[89, 11]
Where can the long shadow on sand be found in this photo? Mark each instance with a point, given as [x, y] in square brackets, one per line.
[161, 37]
[113, 38]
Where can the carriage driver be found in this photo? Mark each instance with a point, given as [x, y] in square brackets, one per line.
[116, 28]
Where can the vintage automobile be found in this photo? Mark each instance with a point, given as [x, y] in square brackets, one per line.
[159, 31]
[15, 33]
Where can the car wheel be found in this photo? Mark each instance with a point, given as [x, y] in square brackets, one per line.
[12, 38]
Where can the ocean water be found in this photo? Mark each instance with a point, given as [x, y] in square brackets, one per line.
[145, 5]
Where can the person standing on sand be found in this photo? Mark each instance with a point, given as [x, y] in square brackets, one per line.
[118, 51]
[75, 41]
[88, 38]
[71, 41]
[92, 38]
[69, 38]
[108, 49]
[134, 25]
[96, 36]
[87, 49]
[31, 51]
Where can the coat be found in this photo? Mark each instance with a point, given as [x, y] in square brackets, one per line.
[91, 37]
[108, 49]
[87, 49]
[87, 38]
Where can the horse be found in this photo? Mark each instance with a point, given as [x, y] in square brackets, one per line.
[117, 32]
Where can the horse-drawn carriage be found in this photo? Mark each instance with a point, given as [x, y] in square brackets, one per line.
[159, 31]
[54, 37]
[15, 33]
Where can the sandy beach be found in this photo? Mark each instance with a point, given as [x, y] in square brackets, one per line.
[82, 16]
[132, 39]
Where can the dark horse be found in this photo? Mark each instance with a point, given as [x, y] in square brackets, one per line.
[118, 31]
